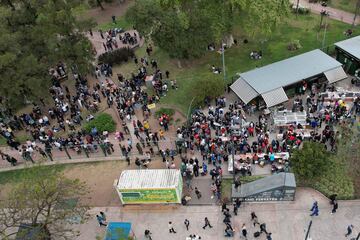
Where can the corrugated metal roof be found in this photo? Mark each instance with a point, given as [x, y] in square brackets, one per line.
[335, 75]
[148, 178]
[289, 71]
[351, 46]
[275, 97]
[243, 90]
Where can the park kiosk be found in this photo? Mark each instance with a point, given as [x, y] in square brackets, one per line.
[348, 53]
[150, 186]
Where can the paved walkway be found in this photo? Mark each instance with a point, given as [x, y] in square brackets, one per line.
[286, 220]
[97, 41]
[336, 14]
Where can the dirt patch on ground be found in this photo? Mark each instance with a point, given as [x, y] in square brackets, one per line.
[5, 190]
[100, 177]
[111, 9]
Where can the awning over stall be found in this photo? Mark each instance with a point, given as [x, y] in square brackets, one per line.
[335, 75]
[244, 91]
[275, 97]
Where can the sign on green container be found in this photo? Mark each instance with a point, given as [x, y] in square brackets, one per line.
[149, 196]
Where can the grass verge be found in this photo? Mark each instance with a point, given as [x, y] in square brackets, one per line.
[345, 5]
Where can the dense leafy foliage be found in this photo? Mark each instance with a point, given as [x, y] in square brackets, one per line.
[207, 88]
[335, 180]
[102, 122]
[328, 173]
[185, 28]
[35, 36]
[310, 161]
[117, 56]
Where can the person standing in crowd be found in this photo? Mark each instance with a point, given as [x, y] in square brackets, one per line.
[335, 207]
[314, 209]
[100, 221]
[171, 228]
[244, 231]
[349, 230]
[147, 234]
[198, 193]
[254, 219]
[235, 209]
[187, 224]
[207, 223]
[268, 236]
[103, 216]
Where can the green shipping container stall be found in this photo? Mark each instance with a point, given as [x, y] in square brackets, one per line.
[348, 53]
[150, 186]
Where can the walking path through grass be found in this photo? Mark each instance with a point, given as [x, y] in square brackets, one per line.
[335, 13]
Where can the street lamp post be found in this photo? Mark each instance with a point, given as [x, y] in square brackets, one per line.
[233, 159]
[356, 13]
[223, 62]
[307, 236]
[297, 7]
[325, 29]
[188, 114]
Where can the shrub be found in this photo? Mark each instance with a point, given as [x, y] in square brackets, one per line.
[294, 45]
[102, 122]
[117, 56]
[207, 88]
[310, 161]
[336, 181]
[168, 111]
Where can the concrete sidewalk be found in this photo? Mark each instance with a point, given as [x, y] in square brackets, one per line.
[286, 220]
[336, 14]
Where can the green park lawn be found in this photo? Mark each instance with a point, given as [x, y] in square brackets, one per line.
[346, 5]
[303, 28]
[120, 23]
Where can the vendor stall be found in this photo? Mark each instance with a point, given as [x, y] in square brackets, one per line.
[150, 186]
[279, 158]
[288, 118]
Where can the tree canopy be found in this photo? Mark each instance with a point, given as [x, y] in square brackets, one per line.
[35, 36]
[207, 87]
[184, 28]
[46, 200]
[310, 161]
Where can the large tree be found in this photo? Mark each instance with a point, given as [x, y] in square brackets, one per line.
[310, 161]
[35, 36]
[208, 87]
[44, 200]
[184, 28]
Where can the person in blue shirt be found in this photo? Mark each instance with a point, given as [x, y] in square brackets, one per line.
[204, 167]
[272, 157]
[100, 221]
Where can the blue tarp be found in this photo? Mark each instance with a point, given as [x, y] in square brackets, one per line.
[118, 231]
